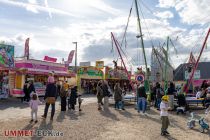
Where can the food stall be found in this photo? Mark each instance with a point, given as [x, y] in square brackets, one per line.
[88, 77]
[37, 71]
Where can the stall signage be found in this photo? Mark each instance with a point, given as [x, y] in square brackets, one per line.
[40, 66]
[197, 75]
[84, 64]
[90, 71]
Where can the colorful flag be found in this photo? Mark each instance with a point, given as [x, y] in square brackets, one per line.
[71, 55]
[26, 54]
[50, 59]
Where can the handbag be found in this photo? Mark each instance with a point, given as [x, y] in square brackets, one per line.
[50, 100]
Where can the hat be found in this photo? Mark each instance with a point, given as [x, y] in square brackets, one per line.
[50, 79]
[165, 98]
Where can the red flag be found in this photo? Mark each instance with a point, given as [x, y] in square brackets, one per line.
[191, 59]
[26, 54]
[50, 59]
[71, 55]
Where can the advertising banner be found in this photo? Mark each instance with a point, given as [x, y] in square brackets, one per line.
[6, 56]
[71, 55]
[26, 53]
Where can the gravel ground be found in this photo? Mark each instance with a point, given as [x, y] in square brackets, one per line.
[91, 124]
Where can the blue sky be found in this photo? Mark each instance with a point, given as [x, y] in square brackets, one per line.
[53, 25]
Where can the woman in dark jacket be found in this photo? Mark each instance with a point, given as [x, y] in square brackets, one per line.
[31, 89]
[26, 92]
[63, 95]
[51, 92]
[73, 98]
[117, 95]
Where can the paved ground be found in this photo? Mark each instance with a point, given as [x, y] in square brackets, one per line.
[91, 124]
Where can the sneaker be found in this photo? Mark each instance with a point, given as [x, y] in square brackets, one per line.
[51, 119]
[167, 132]
[163, 133]
[31, 121]
[36, 121]
[123, 108]
[80, 109]
[44, 117]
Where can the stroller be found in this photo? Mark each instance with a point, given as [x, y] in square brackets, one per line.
[201, 121]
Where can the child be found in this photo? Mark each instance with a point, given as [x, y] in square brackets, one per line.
[34, 102]
[80, 102]
[164, 106]
[122, 102]
[182, 104]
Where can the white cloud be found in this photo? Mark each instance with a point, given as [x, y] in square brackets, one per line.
[49, 11]
[190, 11]
[165, 14]
[32, 1]
[194, 11]
[166, 3]
[35, 8]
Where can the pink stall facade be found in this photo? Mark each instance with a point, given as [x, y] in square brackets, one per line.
[37, 71]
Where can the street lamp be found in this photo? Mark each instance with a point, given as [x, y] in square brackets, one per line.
[75, 56]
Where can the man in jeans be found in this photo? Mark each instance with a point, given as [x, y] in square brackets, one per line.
[51, 91]
[106, 94]
[141, 94]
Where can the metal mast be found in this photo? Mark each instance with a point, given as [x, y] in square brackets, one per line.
[141, 35]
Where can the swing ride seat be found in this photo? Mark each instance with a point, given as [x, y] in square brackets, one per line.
[130, 97]
[194, 100]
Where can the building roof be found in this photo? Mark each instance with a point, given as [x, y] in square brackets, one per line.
[204, 67]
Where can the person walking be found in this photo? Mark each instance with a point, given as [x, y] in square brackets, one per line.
[117, 95]
[80, 100]
[141, 98]
[99, 95]
[73, 98]
[170, 93]
[26, 92]
[50, 97]
[164, 106]
[106, 94]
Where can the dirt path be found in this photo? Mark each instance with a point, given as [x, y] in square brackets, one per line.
[91, 124]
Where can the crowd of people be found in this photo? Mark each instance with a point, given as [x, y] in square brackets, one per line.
[53, 91]
[162, 99]
[90, 86]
